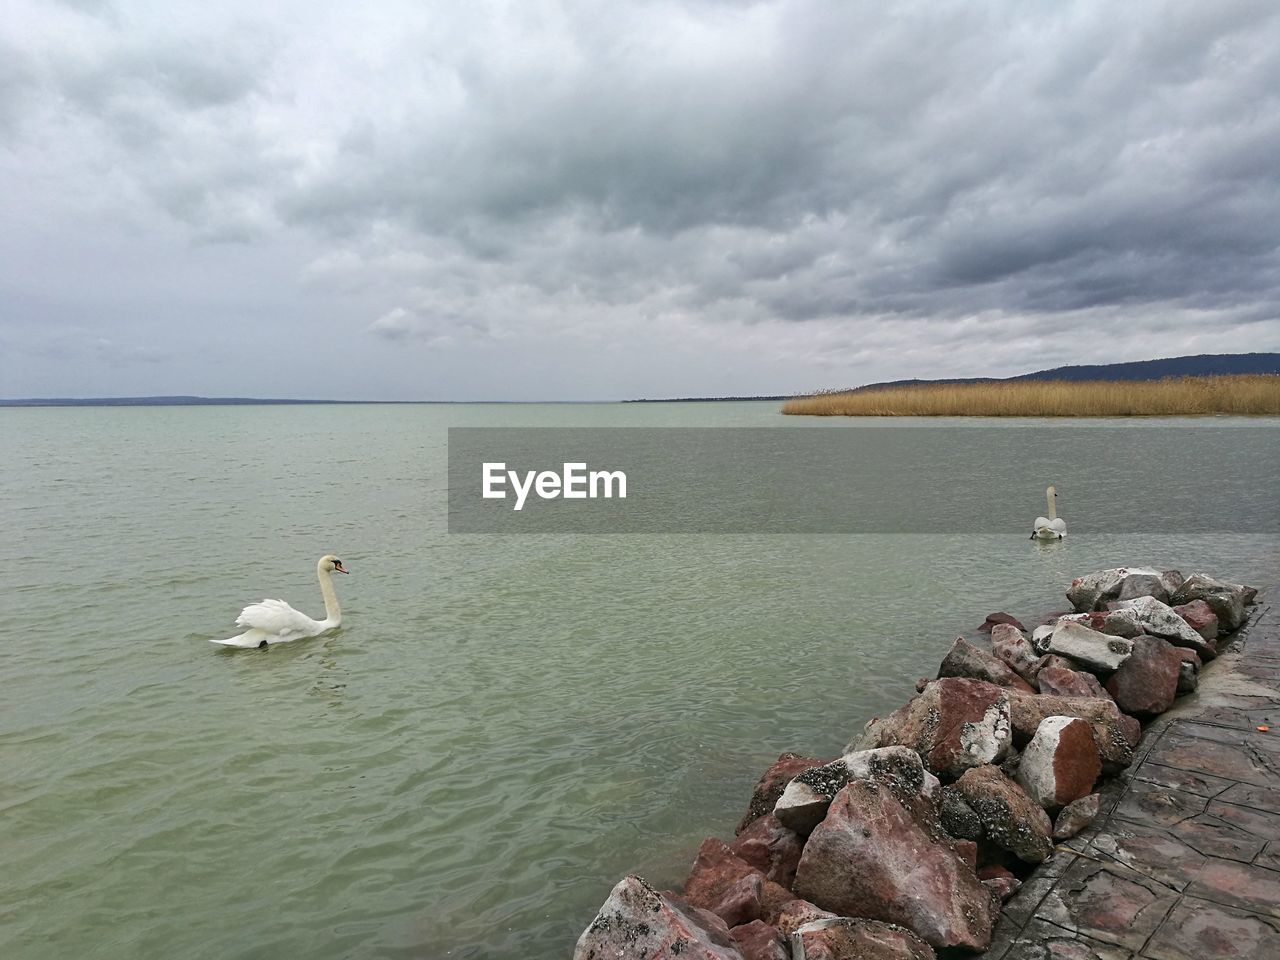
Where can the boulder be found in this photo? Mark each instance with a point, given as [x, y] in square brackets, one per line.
[966, 660]
[1003, 887]
[774, 780]
[1121, 583]
[1114, 623]
[855, 938]
[1200, 618]
[1010, 818]
[731, 888]
[1147, 682]
[804, 802]
[1001, 617]
[1226, 600]
[637, 921]
[1114, 733]
[876, 858]
[1188, 678]
[1061, 762]
[771, 848]
[1161, 620]
[1012, 647]
[957, 817]
[1041, 634]
[759, 941]
[1096, 651]
[953, 725]
[1060, 681]
[1075, 816]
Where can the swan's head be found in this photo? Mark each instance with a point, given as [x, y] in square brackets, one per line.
[330, 563]
[1052, 491]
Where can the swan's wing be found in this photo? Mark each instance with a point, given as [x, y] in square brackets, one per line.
[1059, 525]
[274, 616]
[1041, 522]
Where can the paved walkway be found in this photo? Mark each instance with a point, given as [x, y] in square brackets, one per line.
[1184, 861]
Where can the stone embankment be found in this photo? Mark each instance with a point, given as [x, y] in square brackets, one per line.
[988, 790]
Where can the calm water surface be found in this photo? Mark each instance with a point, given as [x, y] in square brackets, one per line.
[503, 727]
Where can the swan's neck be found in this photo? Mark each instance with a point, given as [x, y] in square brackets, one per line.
[1053, 507]
[332, 612]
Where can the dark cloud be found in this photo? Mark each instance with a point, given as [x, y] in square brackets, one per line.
[847, 175]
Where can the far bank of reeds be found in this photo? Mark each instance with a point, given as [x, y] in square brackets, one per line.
[1186, 396]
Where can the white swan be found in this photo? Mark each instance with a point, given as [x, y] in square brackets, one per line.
[274, 621]
[1051, 527]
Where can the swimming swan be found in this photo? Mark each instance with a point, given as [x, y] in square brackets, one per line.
[1051, 527]
[274, 621]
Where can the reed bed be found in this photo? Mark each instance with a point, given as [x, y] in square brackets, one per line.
[1185, 396]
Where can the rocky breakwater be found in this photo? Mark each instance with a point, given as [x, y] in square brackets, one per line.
[905, 847]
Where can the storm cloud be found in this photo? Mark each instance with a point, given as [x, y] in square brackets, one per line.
[570, 200]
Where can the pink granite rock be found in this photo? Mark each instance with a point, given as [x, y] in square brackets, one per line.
[1200, 618]
[1010, 818]
[1061, 763]
[774, 780]
[1075, 816]
[850, 938]
[966, 660]
[1115, 623]
[874, 857]
[1003, 887]
[953, 725]
[731, 888]
[759, 941]
[637, 921]
[1147, 682]
[1114, 733]
[1011, 646]
[771, 848]
[1001, 617]
[796, 913]
[1065, 682]
[804, 802]
[1226, 600]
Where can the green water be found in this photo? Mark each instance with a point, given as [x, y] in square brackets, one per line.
[503, 727]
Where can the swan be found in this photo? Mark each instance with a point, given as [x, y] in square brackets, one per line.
[274, 621]
[1051, 527]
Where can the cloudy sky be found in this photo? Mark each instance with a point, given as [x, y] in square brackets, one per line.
[564, 199]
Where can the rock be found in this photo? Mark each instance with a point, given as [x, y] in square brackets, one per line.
[953, 725]
[797, 913]
[1161, 620]
[1250, 596]
[1010, 646]
[1188, 678]
[1200, 618]
[1147, 682]
[1001, 617]
[1061, 762]
[967, 850]
[774, 780]
[1121, 583]
[1226, 600]
[1096, 651]
[771, 848]
[731, 888]
[637, 921]
[966, 660]
[957, 817]
[874, 857]
[1075, 816]
[1114, 623]
[994, 871]
[1114, 733]
[1003, 887]
[1041, 634]
[1010, 818]
[804, 802]
[1065, 682]
[850, 938]
[759, 941]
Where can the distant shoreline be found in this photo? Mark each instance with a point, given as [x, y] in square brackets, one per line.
[282, 402]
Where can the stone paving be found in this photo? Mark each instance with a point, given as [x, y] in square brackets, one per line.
[1183, 863]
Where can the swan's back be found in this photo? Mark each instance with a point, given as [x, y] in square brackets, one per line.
[275, 617]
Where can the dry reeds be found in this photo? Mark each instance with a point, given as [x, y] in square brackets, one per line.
[1186, 396]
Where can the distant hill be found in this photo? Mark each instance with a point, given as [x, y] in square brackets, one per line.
[144, 401]
[1201, 365]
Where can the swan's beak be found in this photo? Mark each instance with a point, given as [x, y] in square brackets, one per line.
[340, 568]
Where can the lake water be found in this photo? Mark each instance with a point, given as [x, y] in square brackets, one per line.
[503, 727]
